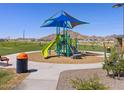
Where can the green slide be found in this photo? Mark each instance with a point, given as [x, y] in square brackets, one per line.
[46, 48]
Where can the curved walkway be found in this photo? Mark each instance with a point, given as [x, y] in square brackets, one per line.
[47, 74]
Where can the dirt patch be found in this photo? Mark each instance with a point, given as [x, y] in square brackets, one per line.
[91, 58]
[15, 80]
[66, 76]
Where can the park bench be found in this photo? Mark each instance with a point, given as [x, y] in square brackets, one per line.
[4, 59]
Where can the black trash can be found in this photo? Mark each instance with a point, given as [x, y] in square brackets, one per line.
[22, 63]
[108, 49]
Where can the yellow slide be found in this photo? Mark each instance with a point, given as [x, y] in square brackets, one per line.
[46, 48]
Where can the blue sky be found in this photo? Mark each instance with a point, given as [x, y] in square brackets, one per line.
[15, 18]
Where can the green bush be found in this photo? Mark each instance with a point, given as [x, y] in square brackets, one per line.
[114, 63]
[90, 84]
[110, 62]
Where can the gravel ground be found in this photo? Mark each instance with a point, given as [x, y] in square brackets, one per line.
[66, 76]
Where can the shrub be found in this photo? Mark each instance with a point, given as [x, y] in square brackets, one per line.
[90, 84]
[120, 68]
[110, 62]
[114, 63]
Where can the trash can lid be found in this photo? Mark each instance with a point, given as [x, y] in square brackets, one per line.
[22, 56]
[108, 47]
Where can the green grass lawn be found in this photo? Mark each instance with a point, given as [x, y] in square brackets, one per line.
[5, 76]
[91, 48]
[9, 47]
[9, 79]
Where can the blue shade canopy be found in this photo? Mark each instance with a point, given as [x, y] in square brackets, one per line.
[63, 20]
[118, 5]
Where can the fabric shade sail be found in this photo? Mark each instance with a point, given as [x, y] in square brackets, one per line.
[63, 20]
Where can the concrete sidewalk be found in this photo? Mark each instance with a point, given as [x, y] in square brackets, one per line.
[47, 75]
[44, 76]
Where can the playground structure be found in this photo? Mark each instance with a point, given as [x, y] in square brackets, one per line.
[65, 45]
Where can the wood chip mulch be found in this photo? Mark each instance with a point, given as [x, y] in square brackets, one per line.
[90, 58]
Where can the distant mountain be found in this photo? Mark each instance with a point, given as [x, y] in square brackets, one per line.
[81, 37]
[72, 35]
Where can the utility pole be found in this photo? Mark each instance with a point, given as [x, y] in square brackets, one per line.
[23, 34]
[118, 6]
